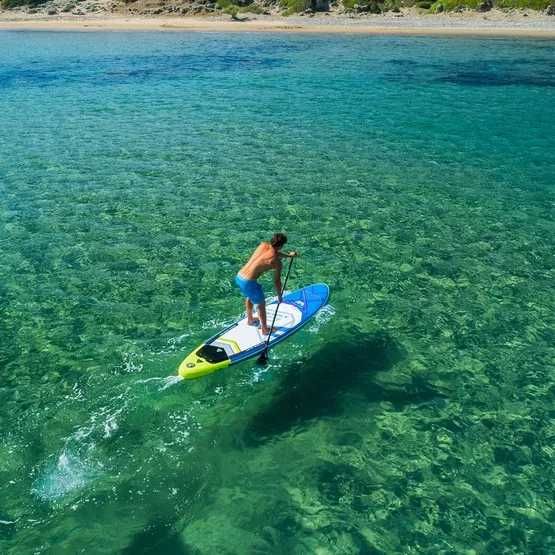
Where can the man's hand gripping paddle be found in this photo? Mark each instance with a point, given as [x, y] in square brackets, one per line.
[263, 358]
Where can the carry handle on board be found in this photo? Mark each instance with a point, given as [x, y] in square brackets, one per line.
[263, 358]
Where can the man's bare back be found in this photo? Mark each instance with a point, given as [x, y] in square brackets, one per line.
[264, 258]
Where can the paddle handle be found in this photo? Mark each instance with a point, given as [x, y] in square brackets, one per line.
[279, 302]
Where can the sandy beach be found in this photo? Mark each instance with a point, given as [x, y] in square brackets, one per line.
[495, 23]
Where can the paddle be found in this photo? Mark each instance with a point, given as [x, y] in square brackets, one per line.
[263, 358]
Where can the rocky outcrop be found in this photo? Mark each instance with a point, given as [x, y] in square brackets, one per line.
[320, 5]
[485, 6]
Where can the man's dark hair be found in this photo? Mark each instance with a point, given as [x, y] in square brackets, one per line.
[278, 240]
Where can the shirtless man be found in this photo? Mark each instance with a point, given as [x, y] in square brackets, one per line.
[267, 256]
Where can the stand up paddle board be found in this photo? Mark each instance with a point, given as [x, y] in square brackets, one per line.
[240, 341]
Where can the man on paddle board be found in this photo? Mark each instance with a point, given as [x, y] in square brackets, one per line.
[267, 256]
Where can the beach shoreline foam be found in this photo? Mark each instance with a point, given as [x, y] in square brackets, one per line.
[494, 24]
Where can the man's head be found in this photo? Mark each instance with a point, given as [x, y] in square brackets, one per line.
[278, 240]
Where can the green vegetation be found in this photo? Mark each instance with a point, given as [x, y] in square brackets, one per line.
[252, 8]
[392, 5]
[7, 4]
[378, 6]
[228, 7]
[533, 4]
[449, 5]
[369, 6]
[294, 6]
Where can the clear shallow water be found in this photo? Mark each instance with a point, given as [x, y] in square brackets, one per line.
[416, 177]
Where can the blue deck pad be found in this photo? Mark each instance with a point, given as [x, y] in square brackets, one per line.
[309, 299]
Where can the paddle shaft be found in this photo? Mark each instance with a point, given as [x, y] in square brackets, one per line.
[277, 307]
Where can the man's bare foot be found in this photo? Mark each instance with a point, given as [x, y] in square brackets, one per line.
[253, 322]
[264, 331]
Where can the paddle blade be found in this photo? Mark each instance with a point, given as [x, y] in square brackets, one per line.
[263, 358]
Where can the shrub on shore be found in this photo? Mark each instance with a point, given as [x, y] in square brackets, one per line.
[521, 4]
[7, 4]
[450, 5]
[233, 9]
[378, 6]
[294, 6]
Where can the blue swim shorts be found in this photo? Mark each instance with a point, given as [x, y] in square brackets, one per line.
[250, 289]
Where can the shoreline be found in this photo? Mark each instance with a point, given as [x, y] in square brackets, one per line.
[498, 24]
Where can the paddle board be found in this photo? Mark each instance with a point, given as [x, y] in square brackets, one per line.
[240, 341]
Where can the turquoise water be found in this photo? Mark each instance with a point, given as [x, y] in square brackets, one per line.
[415, 175]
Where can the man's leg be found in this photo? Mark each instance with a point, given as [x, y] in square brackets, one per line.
[249, 306]
[262, 315]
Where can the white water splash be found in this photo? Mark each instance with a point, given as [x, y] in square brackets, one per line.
[322, 317]
[175, 342]
[132, 362]
[76, 465]
[110, 426]
[163, 383]
[259, 374]
[214, 323]
[68, 474]
[169, 381]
